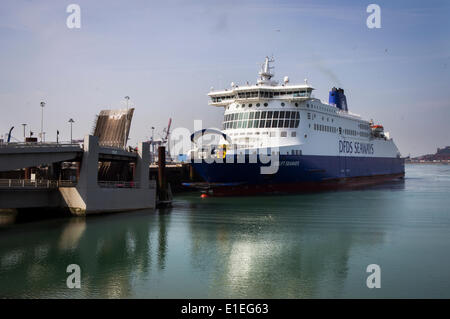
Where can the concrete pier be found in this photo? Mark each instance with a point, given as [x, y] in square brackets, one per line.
[89, 198]
[88, 195]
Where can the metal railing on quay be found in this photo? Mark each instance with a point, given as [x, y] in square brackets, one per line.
[52, 184]
[122, 184]
[117, 184]
[37, 183]
[116, 145]
[38, 144]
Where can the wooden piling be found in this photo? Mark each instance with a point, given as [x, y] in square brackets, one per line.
[191, 173]
[162, 181]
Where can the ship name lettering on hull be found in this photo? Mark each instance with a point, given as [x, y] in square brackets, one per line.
[350, 147]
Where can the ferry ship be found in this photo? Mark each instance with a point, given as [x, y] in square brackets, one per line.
[311, 145]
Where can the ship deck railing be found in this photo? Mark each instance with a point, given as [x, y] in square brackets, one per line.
[257, 99]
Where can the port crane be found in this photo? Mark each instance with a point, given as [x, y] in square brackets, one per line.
[165, 139]
[166, 131]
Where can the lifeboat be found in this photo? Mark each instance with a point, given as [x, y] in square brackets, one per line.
[377, 130]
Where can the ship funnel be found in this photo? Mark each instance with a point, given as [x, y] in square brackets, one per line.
[338, 99]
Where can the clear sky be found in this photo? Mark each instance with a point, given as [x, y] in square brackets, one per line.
[166, 55]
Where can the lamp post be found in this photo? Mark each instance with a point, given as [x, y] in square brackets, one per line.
[42, 121]
[127, 98]
[153, 141]
[71, 121]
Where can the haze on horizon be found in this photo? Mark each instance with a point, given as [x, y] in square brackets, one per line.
[167, 55]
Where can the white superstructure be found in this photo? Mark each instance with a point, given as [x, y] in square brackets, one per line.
[288, 118]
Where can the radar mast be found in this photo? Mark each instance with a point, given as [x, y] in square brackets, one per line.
[265, 76]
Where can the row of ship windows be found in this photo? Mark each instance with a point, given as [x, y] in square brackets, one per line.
[332, 129]
[270, 134]
[364, 134]
[313, 116]
[262, 115]
[293, 152]
[258, 105]
[350, 132]
[322, 108]
[281, 123]
[363, 126]
[325, 128]
[259, 94]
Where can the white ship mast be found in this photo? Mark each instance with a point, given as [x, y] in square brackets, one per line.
[265, 77]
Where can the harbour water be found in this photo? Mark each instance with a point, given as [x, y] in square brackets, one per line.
[293, 246]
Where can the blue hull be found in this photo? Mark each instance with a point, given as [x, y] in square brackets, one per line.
[300, 169]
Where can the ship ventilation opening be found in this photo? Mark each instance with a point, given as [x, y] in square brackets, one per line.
[338, 99]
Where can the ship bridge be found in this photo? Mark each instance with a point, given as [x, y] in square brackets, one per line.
[263, 90]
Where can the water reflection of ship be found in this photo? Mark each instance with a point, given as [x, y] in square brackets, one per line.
[111, 253]
[282, 251]
[288, 246]
[272, 267]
